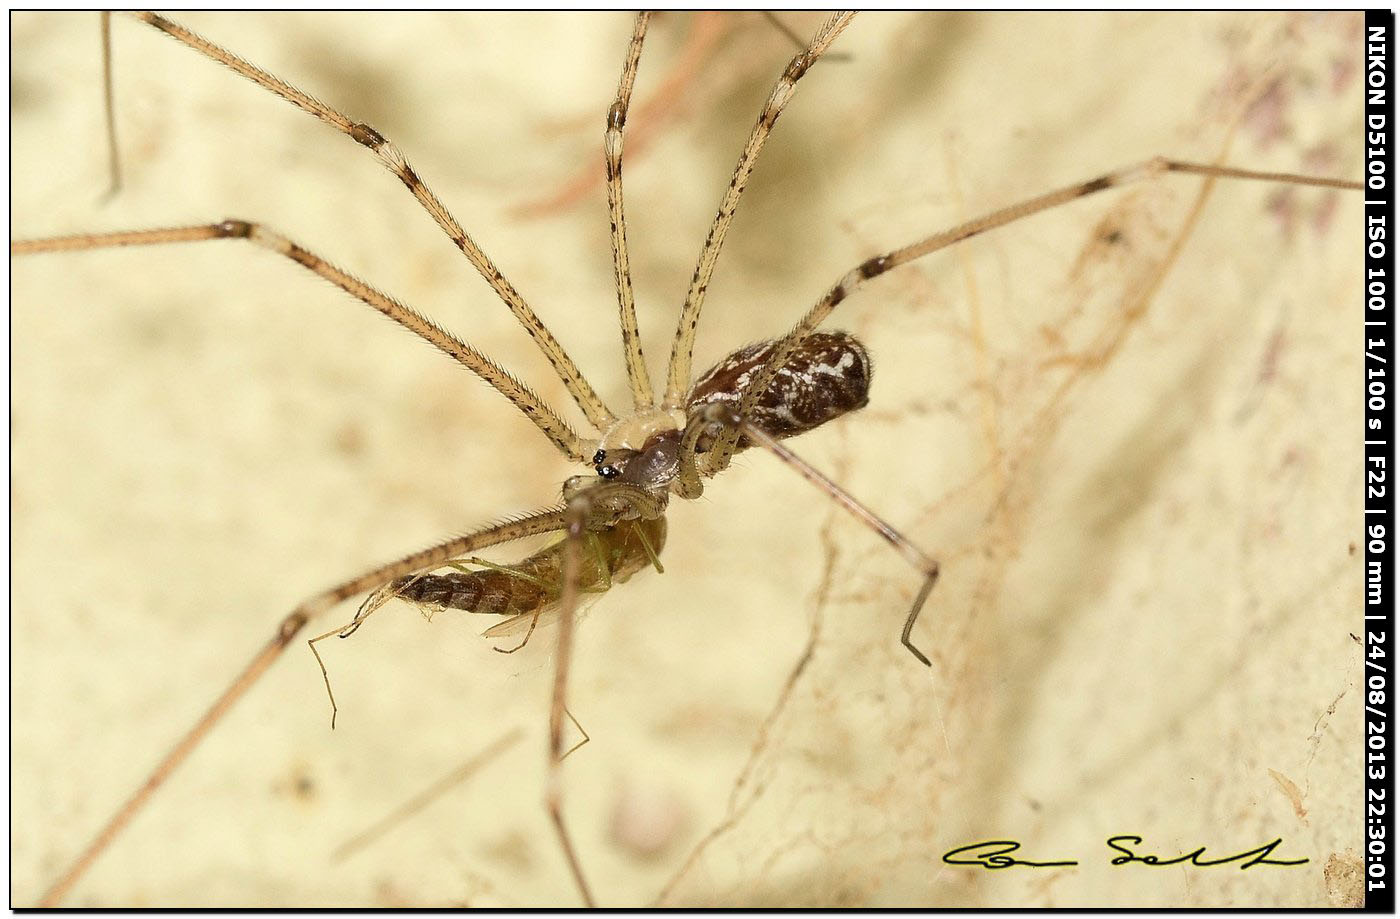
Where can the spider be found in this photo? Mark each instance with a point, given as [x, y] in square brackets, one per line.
[883, 579]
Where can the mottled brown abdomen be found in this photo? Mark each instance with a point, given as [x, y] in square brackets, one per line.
[826, 376]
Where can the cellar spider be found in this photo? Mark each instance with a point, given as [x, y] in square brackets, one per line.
[123, 550]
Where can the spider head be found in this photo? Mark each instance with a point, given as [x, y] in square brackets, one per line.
[652, 467]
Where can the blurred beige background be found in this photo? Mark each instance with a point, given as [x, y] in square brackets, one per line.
[1150, 577]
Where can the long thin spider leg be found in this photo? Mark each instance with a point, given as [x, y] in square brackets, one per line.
[521, 396]
[786, 31]
[393, 158]
[725, 414]
[598, 505]
[706, 31]
[622, 271]
[576, 515]
[678, 374]
[114, 161]
[871, 268]
[546, 521]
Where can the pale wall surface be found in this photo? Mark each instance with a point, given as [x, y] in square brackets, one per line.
[1149, 586]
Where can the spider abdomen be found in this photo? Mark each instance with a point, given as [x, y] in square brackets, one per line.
[826, 376]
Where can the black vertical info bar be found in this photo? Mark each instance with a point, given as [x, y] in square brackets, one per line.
[1379, 514]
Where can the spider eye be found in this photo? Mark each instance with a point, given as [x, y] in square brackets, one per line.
[609, 472]
[598, 457]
